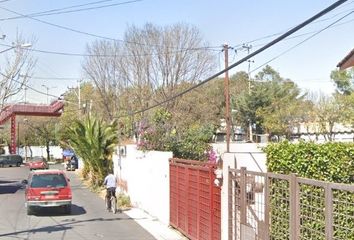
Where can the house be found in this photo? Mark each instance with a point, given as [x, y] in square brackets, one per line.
[347, 62]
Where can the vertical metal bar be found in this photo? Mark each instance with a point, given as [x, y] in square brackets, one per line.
[243, 196]
[188, 194]
[294, 208]
[329, 211]
[198, 207]
[211, 195]
[266, 206]
[177, 195]
[229, 180]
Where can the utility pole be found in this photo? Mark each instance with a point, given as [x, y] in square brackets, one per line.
[248, 47]
[79, 92]
[227, 97]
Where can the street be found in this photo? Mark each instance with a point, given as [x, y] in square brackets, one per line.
[88, 220]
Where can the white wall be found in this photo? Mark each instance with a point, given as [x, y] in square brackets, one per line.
[249, 155]
[146, 176]
[55, 151]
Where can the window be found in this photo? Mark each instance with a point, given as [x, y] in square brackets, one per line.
[48, 180]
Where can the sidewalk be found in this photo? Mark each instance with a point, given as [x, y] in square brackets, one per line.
[154, 226]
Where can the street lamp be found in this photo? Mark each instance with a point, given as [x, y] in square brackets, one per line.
[24, 45]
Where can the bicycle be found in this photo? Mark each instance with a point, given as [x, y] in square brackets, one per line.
[113, 201]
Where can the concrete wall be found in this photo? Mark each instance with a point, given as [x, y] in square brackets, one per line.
[55, 151]
[249, 155]
[144, 176]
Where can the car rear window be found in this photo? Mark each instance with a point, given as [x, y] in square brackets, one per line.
[36, 159]
[48, 180]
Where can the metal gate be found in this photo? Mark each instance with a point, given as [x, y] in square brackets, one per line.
[266, 206]
[195, 201]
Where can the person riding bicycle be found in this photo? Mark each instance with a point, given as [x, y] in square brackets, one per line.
[110, 182]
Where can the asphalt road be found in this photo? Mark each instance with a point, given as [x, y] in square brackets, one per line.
[88, 221]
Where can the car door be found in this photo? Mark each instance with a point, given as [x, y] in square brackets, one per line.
[4, 161]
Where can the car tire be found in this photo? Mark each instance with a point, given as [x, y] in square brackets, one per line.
[18, 164]
[29, 211]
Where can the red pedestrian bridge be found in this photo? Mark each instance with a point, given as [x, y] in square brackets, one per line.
[11, 111]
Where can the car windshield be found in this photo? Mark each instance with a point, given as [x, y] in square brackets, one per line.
[48, 180]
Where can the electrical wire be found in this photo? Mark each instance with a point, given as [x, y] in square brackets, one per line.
[60, 10]
[117, 55]
[303, 41]
[273, 42]
[278, 33]
[78, 31]
[56, 78]
[208, 48]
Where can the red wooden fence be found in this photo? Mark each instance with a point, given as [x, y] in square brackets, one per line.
[195, 207]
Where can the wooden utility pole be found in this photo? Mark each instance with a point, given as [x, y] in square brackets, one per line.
[227, 98]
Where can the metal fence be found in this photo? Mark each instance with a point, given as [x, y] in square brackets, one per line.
[276, 206]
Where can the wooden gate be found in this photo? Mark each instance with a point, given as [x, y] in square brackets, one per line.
[195, 201]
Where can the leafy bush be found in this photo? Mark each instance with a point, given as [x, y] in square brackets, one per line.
[194, 144]
[191, 144]
[123, 201]
[332, 161]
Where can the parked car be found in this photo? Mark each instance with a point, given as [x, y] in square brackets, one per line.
[10, 160]
[37, 162]
[48, 189]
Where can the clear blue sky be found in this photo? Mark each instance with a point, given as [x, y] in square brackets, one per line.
[228, 21]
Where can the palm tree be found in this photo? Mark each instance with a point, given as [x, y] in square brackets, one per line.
[94, 140]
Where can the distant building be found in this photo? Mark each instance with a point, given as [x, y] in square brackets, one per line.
[347, 62]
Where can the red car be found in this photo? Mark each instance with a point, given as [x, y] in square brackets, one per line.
[37, 163]
[48, 188]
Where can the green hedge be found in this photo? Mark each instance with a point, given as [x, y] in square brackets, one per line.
[332, 162]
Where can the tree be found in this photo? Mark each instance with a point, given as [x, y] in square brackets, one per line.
[344, 80]
[273, 104]
[15, 71]
[152, 64]
[40, 131]
[94, 141]
[329, 112]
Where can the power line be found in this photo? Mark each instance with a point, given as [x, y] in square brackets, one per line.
[78, 31]
[278, 33]
[298, 44]
[208, 48]
[273, 42]
[55, 78]
[60, 10]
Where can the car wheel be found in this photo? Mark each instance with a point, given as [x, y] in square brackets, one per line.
[18, 164]
[1, 165]
[29, 211]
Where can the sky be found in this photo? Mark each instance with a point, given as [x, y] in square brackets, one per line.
[307, 62]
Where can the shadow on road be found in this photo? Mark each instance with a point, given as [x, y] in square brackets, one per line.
[52, 212]
[67, 224]
[10, 187]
